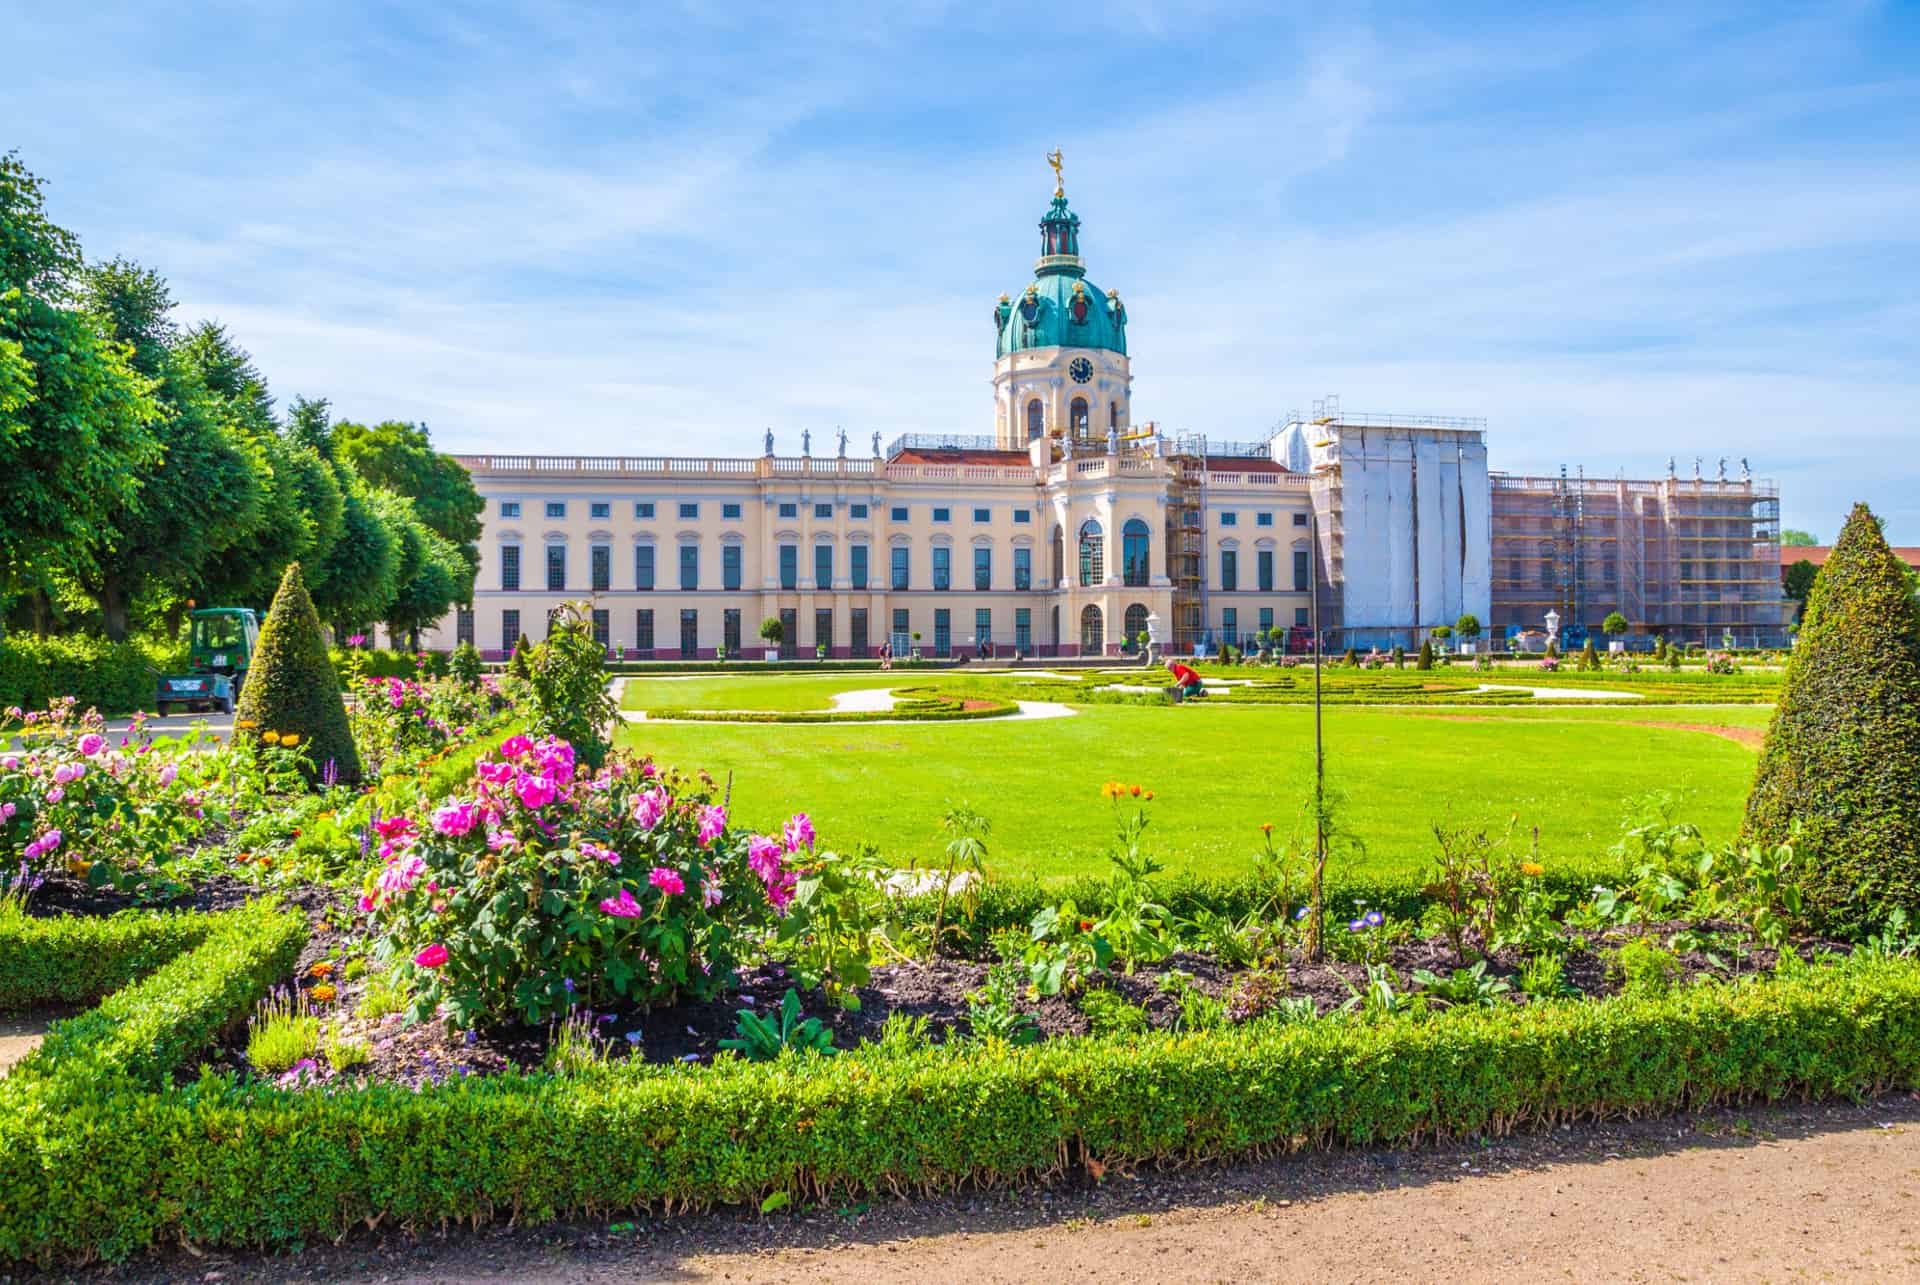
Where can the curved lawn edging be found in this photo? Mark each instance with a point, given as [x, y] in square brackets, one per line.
[117, 1170]
[912, 705]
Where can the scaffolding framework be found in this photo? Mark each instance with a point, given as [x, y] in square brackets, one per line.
[1695, 560]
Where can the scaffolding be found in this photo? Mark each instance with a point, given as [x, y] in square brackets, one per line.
[1186, 545]
[1695, 560]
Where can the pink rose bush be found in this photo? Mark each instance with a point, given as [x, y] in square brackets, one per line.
[71, 797]
[540, 872]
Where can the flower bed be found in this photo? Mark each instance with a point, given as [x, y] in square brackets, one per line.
[914, 705]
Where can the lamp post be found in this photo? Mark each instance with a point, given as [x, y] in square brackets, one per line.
[1319, 747]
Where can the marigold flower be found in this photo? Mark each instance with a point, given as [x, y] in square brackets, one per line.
[1136, 790]
[1266, 827]
[290, 739]
[322, 968]
[249, 723]
[1532, 869]
[324, 992]
[270, 738]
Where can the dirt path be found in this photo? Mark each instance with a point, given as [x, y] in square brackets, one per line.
[1815, 1193]
[19, 1036]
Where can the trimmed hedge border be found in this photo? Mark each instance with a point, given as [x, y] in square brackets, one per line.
[78, 959]
[114, 1171]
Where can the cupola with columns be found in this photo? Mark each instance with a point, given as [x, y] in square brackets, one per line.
[1060, 362]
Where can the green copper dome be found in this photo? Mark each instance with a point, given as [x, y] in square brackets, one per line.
[1060, 308]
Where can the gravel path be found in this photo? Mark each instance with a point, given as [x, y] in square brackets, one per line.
[1563, 693]
[1769, 1193]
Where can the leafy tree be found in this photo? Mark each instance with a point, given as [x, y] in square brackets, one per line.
[442, 579]
[205, 495]
[76, 417]
[1798, 582]
[358, 579]
[772, 630]
[292, 686]
[1791, 536]
[1839, 775]
[1468, 627]
[1615, 624]
[401, 458]
[228, 371]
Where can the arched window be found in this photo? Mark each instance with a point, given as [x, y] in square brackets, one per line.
[1135, 539]
[1136, 622]
[1093, 554]
[1077, 416]
[1059, 566]
[1093, 634]
[1034, 425]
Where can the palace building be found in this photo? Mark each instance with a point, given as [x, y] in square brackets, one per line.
[1072, 530]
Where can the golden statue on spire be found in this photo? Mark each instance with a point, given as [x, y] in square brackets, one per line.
[1053, 159]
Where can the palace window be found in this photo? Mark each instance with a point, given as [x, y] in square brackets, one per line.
[1135, 552]
[1093, 554]
[1035, 424]
[643, 566]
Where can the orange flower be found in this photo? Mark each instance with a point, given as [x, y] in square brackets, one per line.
[323, 992]
[1112, 790]
[270, 738]
[1266, 827]
[290, 740]
[324, 968]
[1136, 791]
[1532, 869]
[1148, 796]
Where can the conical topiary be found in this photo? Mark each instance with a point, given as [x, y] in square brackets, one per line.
[1426, 655]
[1842, 757]
[291, 688]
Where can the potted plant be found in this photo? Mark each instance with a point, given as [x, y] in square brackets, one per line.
[916, 645]
[1614, 625]
[772, 631]
[720, 653]
[819, 651]
[1468, 628]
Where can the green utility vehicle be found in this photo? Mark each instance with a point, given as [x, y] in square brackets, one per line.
[217, 660]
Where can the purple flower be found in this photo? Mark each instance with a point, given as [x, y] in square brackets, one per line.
[355, 640]
[1356, 925]
[92, 743]
[1302, 913]
[1374, 918]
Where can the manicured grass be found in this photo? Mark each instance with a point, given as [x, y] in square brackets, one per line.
[754, 691]
[1219, 770]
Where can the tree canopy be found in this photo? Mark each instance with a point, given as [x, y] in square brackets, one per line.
[1794, 536]
[142, 463]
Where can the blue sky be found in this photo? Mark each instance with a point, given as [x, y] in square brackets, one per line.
[1620, 233]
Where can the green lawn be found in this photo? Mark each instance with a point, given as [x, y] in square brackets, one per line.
[1217, 772]
[752, 691]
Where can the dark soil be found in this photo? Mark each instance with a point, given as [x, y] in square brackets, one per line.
[63, 894]
[419, 1053]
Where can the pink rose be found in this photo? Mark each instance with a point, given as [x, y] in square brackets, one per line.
[92, 743]
[431, 956]
[648, 807]
[56, 794]
[167, 772]
[514, 746]
[667, 881]
[535, 792]
[456, 819]
[621, 907]
[798, 832]
[763, 857]
[495, 773]
[713, 823]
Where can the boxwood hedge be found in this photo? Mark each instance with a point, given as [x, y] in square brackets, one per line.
[94, 1160]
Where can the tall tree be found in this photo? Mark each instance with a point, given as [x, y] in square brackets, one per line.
[401, 457]
[1792, 536]
[75, 416]
[1839, 775]
[358, 578]
[204, 497]
[443, 579]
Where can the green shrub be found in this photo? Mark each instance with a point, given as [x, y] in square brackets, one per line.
[219, 1164]
[1644, 968]
[114, 678]
[1109, 1014]
[283, 1030]
[1426, 655]
[1842, 757]
[568, 683]
[76, 959]
[292, 686]
[465, 665]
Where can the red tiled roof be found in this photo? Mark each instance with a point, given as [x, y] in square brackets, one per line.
[1817, 554]
[914, 455]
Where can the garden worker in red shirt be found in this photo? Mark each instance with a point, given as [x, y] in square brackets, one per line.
[1185, 682]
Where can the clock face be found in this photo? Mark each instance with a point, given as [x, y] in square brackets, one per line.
[1081, 370]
